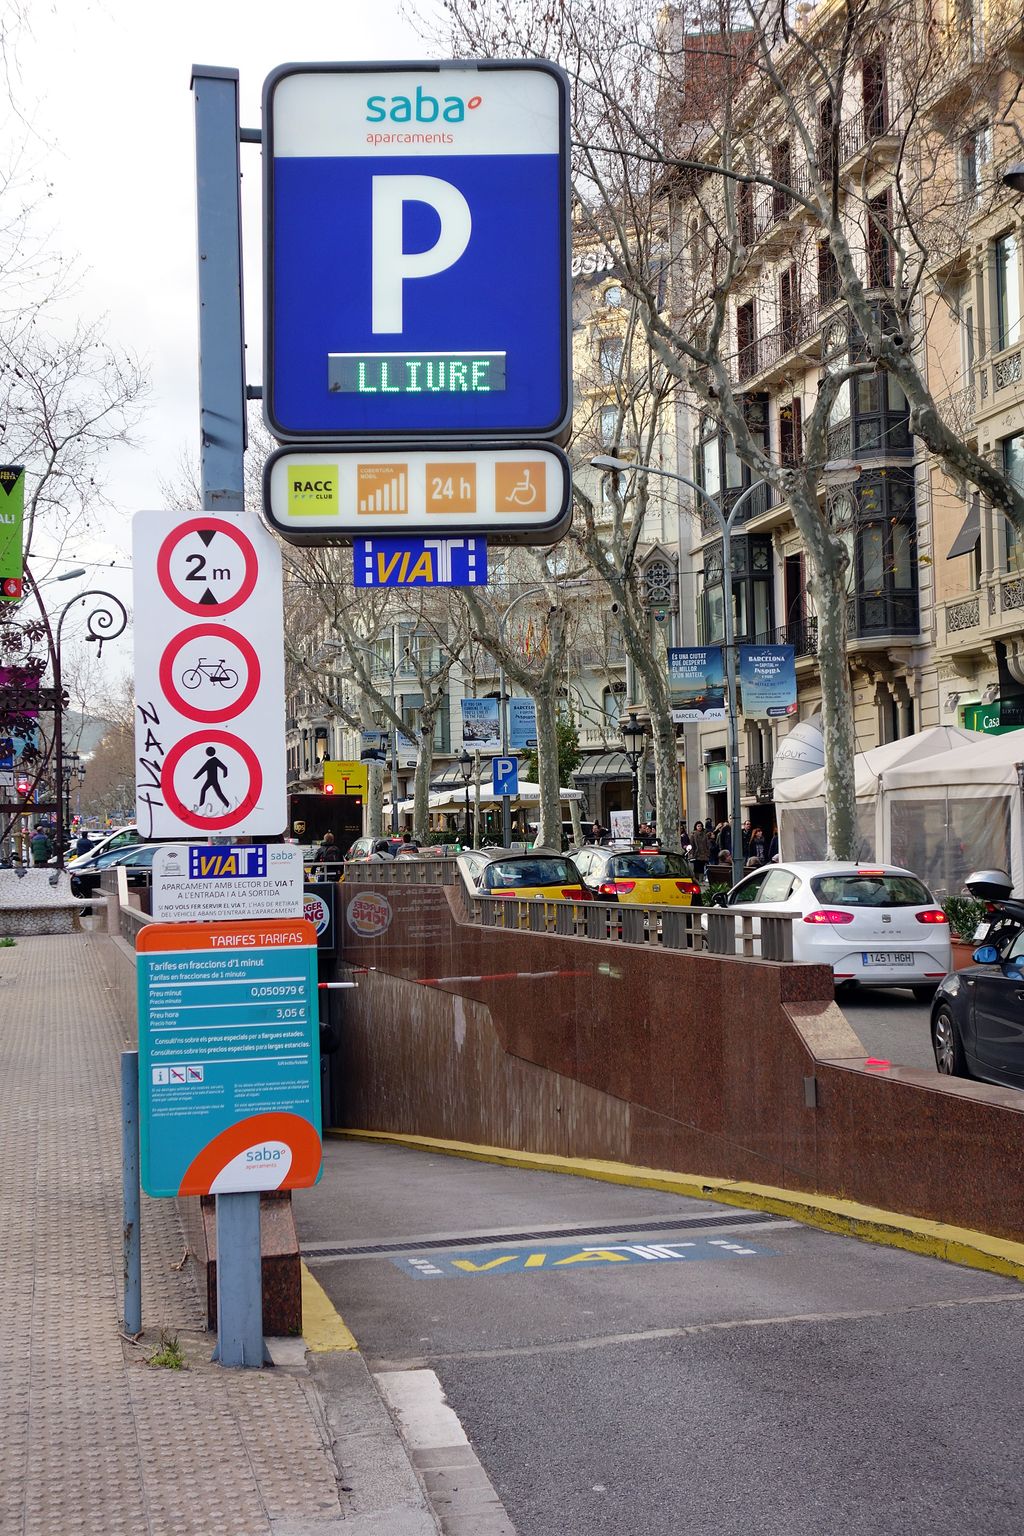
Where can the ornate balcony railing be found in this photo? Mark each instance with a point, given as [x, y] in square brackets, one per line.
[759, 781]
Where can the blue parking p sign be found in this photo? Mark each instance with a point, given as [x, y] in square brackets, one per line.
[505, 775]
[417, 251]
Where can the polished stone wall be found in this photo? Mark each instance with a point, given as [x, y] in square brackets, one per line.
[708, 1065]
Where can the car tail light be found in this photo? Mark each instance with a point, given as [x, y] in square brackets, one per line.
[572, 893]
[828, 915]
[933, 915]
[616, 887]
[688, 887]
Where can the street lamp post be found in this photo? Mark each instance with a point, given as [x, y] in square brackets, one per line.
[107, 619]
[726, 523]
[466, 769]
[634, 735]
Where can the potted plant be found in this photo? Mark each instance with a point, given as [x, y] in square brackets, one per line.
[963, 913]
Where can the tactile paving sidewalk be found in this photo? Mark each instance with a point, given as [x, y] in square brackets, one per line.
[94, 1439]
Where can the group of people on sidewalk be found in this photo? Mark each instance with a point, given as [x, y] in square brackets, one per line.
[709, 845]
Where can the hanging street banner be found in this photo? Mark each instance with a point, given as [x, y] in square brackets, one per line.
[209, 676]
[767, 678]
[229, 1057]
[417, 251]
[696, 681]
[12, 509]
[481, 728]
[514, 494]
[522, 724]
[419, 562]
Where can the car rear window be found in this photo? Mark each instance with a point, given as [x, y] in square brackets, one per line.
[649, 866]
[532, 872]
[870, 891]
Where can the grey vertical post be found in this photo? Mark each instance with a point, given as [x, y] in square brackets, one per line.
[221, 338]
[130, 1191]
[222, 432]
[239, 1281]
[506, 802]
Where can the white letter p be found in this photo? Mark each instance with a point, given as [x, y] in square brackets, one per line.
[391, 266]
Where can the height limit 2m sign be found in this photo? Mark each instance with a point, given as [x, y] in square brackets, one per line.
[209, 676]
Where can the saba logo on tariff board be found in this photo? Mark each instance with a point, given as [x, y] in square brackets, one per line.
[421, 108]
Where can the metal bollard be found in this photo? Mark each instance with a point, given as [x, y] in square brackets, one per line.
[130, 1193]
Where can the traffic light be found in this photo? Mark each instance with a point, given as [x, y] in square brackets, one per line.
[328, 789]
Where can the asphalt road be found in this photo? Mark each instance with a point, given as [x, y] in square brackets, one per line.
[626, 1361]
[890, 1025]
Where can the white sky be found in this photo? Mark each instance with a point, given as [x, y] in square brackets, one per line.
[106, 86]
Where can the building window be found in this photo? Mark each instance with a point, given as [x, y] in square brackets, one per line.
[613, 296]
[826, 141]
[828, 274]
[610, 419]
[746, 339]
[879, 244]
[870, 414]
[609, 358]
[789, 307]
[1007, 292]
[873, 95]
[882, 540]
[745, 212]
[1013, 469]
[790, 434]
[975, 153]
[752, 599]
[782, 171]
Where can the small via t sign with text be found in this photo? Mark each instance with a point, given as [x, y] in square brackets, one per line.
[205, 883]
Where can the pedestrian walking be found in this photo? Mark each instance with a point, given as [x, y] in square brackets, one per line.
[41, 845]
[328, 851]
[701, 846]
[381, 852]
[756, 848]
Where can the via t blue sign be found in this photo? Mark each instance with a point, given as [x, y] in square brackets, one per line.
[417, 251]
[505, 775]
[419, 562]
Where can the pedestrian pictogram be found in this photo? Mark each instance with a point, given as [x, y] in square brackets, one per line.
[212, 779]
[207, 567]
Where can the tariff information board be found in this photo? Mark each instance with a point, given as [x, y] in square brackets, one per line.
[229, 1066]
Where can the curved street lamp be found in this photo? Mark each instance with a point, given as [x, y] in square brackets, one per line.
[107, 619]
[634, 737]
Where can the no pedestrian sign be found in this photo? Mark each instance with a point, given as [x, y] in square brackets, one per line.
[209, 676]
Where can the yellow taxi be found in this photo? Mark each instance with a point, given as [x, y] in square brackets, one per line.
[646, 878]
[542, 872]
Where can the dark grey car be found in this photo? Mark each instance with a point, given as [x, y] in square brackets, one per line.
[977, 1014]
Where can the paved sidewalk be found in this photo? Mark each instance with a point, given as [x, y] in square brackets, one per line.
[96, 1439]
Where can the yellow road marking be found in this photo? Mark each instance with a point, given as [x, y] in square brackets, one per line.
[937, 1239]
[322, 1327]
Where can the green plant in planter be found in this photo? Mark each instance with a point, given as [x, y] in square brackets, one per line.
[964, 914]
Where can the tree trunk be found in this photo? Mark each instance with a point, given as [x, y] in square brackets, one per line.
[374, 799]
[549, 830]
[421, 786]
[829, 592]
[653, 674]
[577, 824]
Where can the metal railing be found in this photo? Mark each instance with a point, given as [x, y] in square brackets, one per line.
[694, 929]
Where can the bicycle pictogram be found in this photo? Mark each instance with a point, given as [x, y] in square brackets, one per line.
[217, 673]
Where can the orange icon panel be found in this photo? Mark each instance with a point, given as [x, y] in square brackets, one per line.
[451, 487]
[520, 486]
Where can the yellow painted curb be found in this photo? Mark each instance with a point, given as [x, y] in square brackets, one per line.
[960, 1245]
[322, 1327]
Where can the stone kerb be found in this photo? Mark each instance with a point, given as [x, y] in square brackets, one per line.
[37, 901]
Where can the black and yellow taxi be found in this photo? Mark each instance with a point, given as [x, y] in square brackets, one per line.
[647, 877]
[542, 872]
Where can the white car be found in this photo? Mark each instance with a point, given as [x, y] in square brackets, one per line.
[120, 837]
[873, 924]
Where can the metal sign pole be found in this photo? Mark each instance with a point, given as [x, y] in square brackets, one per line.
[223, 438]
[130, 1192]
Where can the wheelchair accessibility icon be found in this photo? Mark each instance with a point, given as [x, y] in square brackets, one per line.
[520, 486]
